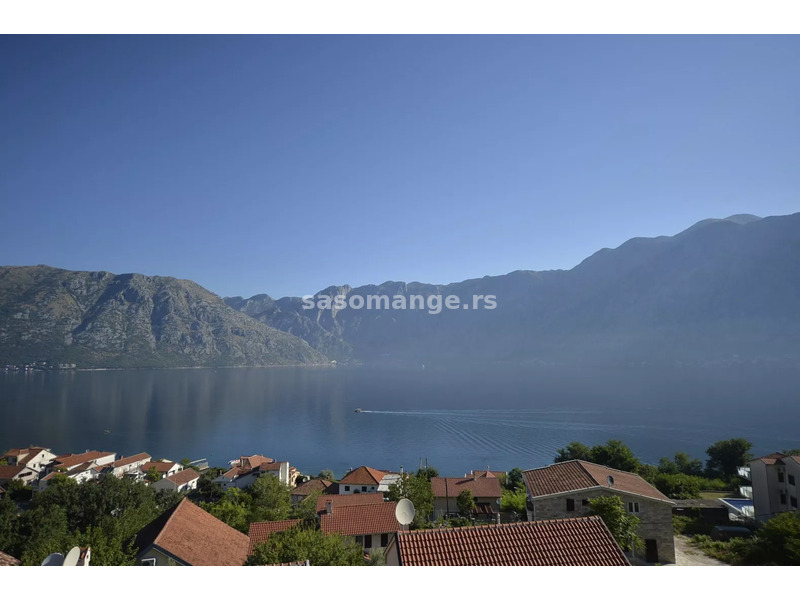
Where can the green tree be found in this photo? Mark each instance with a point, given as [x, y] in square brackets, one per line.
[233, 509]
[573, 451]
[623, 526]
[326, 474]
[779, 540]
[615, 454]
[45, 532]
[514, 500]
[271, 499]
[9, 526]
[418, 490]
[678, 485]
[207, 487]
[153, 474]
[428, 472]
[465, 504]
[726, 456]
[306, 543]
[514, 479]
[306, 509]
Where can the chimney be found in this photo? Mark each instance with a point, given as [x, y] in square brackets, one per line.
[328, 507]
[498, 518]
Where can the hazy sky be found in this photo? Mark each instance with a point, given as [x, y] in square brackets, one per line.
[287, 164]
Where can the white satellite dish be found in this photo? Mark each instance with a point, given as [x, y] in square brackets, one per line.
[405, 511]
[56, 559]
[73, 556]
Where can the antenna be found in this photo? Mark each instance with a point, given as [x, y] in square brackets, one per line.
[72, 558]
[54, 560]
[405, 511]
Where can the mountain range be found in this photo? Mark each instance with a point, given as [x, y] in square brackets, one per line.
[722, 290]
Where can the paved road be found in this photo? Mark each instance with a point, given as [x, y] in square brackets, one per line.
[688, 555]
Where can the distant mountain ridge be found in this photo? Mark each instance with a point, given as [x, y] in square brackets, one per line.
[721, 290]
[98, 319]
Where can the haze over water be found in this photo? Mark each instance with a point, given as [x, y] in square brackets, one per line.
[459, 419]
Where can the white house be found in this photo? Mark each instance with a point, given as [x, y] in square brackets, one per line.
[363, 480]
[34, 458]
[79, 467]
[247, 469]
[776, 484]
[130, 466]
[182, 481]
[164, 467]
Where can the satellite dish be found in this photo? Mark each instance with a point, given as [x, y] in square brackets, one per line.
[405, 511]
[56, 559]
[73, 556]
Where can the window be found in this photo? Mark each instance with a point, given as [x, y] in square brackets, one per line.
[148, 562]
[363, 488]
[384, 539]
[347, 488]
[633, 507]
[367, 541]
[570, 505]
[780, 476]
[791, 479]
[783, 498]
[360, 539]
[793, 501]
[584, 502]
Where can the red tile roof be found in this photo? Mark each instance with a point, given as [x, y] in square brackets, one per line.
[8, 472]
[195, 537]
[273, 466]
[363, 476]
[16, 452]
[576, 475]
[778, 457]
[311, 486]
[183, 477]
[338, 500]
[361, 520]
[560, 542]
[481, 487]
[122, 462]
[260, 532]
[6, 560]
[68, 461]
[486, 474]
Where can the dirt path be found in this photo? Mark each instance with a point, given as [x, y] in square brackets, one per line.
[688, 555]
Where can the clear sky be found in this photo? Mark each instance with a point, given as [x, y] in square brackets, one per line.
[286, 164]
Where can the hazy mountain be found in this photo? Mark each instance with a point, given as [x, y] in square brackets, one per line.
[105, 320]
[724, 289]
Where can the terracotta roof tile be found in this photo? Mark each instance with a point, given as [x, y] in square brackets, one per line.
[8, 472]
[361, 519]
[260, 532]
[6, 560]
[183, 477]
[577, 542]
[576, 475]
[311, 486]
[481, 487]
[122, 462]
[195, 537]
[68, 461]
[337, 500]
[363, 476]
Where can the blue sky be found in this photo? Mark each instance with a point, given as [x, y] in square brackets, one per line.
[286, 164]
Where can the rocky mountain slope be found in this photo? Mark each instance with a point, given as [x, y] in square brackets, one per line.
[722, 290]
[99, 319]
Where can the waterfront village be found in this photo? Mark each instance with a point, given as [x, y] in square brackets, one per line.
[572, 512]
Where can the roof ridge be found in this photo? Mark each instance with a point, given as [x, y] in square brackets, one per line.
[585, 470]
[505, 525]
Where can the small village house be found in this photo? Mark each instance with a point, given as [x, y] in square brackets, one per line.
[370, 525]
[486, 492]
[182, 481]
[363, 480]
[259, 532]
[776, 484]
[247, 469]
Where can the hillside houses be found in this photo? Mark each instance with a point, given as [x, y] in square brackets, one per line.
[246, 469]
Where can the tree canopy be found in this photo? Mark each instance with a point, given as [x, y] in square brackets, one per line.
[416, 488]
[622, 525]
[303, 543]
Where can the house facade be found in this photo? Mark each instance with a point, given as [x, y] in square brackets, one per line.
[563, 490]
[371, 526]
[182, 482]
[363, 480]
[775, 481]
[130, 466]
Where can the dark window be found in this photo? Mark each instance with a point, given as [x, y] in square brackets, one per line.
[367, 541]
[359, 539]
[791, 479]
[584, 502]
[347, 488]
[570, 504]
[793, 501]
[780, 476]
[633, 507]
[384, 539]
[363, 488]
[783, 498]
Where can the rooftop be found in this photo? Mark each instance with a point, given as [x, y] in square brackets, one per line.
[481, 487]
[260, 532]
[122, 462]
[161, 467]
[311, 486]
[361, 519]
[195, 537]
[560, 542]
[183, 477]
[363, 476]
[337, 500]
[576, 475]
[68, 461]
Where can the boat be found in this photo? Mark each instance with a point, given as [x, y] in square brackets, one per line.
[358, 410]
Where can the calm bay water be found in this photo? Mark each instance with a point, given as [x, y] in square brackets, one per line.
[458, 419]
